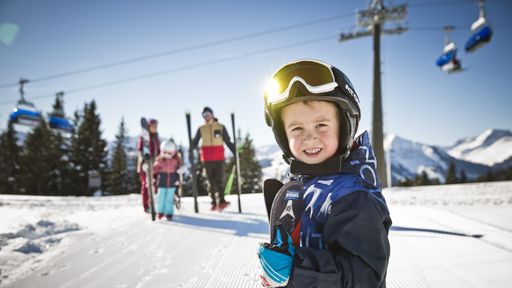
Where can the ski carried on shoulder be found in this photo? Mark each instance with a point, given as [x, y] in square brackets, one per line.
[148, 164]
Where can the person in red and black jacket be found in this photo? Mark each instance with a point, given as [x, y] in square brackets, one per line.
[213, 135]
[154, 151]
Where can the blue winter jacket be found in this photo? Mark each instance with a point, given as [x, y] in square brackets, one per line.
[344, 227]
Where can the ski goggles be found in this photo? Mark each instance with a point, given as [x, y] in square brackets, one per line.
[315, 76]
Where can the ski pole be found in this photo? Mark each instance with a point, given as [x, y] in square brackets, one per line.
[237, 163]
[192, 163]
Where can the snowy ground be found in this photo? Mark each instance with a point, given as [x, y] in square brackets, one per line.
[109, 242]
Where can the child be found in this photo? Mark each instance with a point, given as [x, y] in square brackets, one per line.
[340, 236]
[166, 166]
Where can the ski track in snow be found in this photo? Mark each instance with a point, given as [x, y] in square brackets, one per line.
[108, 241]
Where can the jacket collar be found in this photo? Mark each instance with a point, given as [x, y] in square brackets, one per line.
[361, 161]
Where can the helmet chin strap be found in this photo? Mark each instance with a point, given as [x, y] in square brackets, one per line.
[330, 166]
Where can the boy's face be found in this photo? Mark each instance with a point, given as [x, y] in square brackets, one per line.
[312, 130]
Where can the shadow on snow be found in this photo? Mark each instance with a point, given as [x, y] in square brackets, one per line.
[435, 231]
[244, 227]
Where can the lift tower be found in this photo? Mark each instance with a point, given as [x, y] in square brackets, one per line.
[372, 22]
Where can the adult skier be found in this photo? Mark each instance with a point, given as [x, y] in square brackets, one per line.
[213, 135]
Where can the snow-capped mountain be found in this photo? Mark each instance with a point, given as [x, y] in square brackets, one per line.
[272, 163]
[410, 158]
[492, 148]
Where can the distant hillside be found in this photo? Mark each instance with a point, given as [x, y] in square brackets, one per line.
[410, 158]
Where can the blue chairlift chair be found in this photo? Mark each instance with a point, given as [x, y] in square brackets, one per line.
[481, 31]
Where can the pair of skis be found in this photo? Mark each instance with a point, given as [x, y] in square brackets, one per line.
[148, 164]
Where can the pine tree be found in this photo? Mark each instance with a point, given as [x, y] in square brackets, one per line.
[406, 182]
[74, 172]
[66, 171]
[489, 176]
[119, 181]
[463, 177]
[9, 161]
[41, 162]
[451, 174]
[422, 179]
[250, 169]
[201, 178]
[88, 152]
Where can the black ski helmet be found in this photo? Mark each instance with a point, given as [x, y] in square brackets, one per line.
[312, 80]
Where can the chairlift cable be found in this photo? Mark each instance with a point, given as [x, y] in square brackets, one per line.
[224, 41]
[183, 50]
[450, 3]
[186, 67]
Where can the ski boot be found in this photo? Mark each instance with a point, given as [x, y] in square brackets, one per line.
[223, 205]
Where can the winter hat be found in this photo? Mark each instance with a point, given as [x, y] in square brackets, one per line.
[169, 147]
[207, 109]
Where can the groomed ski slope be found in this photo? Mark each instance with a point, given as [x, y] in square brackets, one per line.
[109, 242]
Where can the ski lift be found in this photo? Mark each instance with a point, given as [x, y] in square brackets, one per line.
[25, 113]
[57, 118]
[481, 32]
[448, 62]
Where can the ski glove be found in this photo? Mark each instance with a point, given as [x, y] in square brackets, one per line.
[276, 259]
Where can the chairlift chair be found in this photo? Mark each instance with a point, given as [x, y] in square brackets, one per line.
[448, 61]
[57, 119]
[60, 123]
[25, 113]
[481, 31]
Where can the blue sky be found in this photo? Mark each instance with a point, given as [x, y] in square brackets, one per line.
[421, 102]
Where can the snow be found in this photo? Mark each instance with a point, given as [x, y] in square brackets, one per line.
[110, 242]
[267, 151]
[271, 160]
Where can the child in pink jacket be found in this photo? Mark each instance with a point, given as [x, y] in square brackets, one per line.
[165, 168]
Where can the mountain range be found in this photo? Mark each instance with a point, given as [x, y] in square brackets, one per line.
[492, 149]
